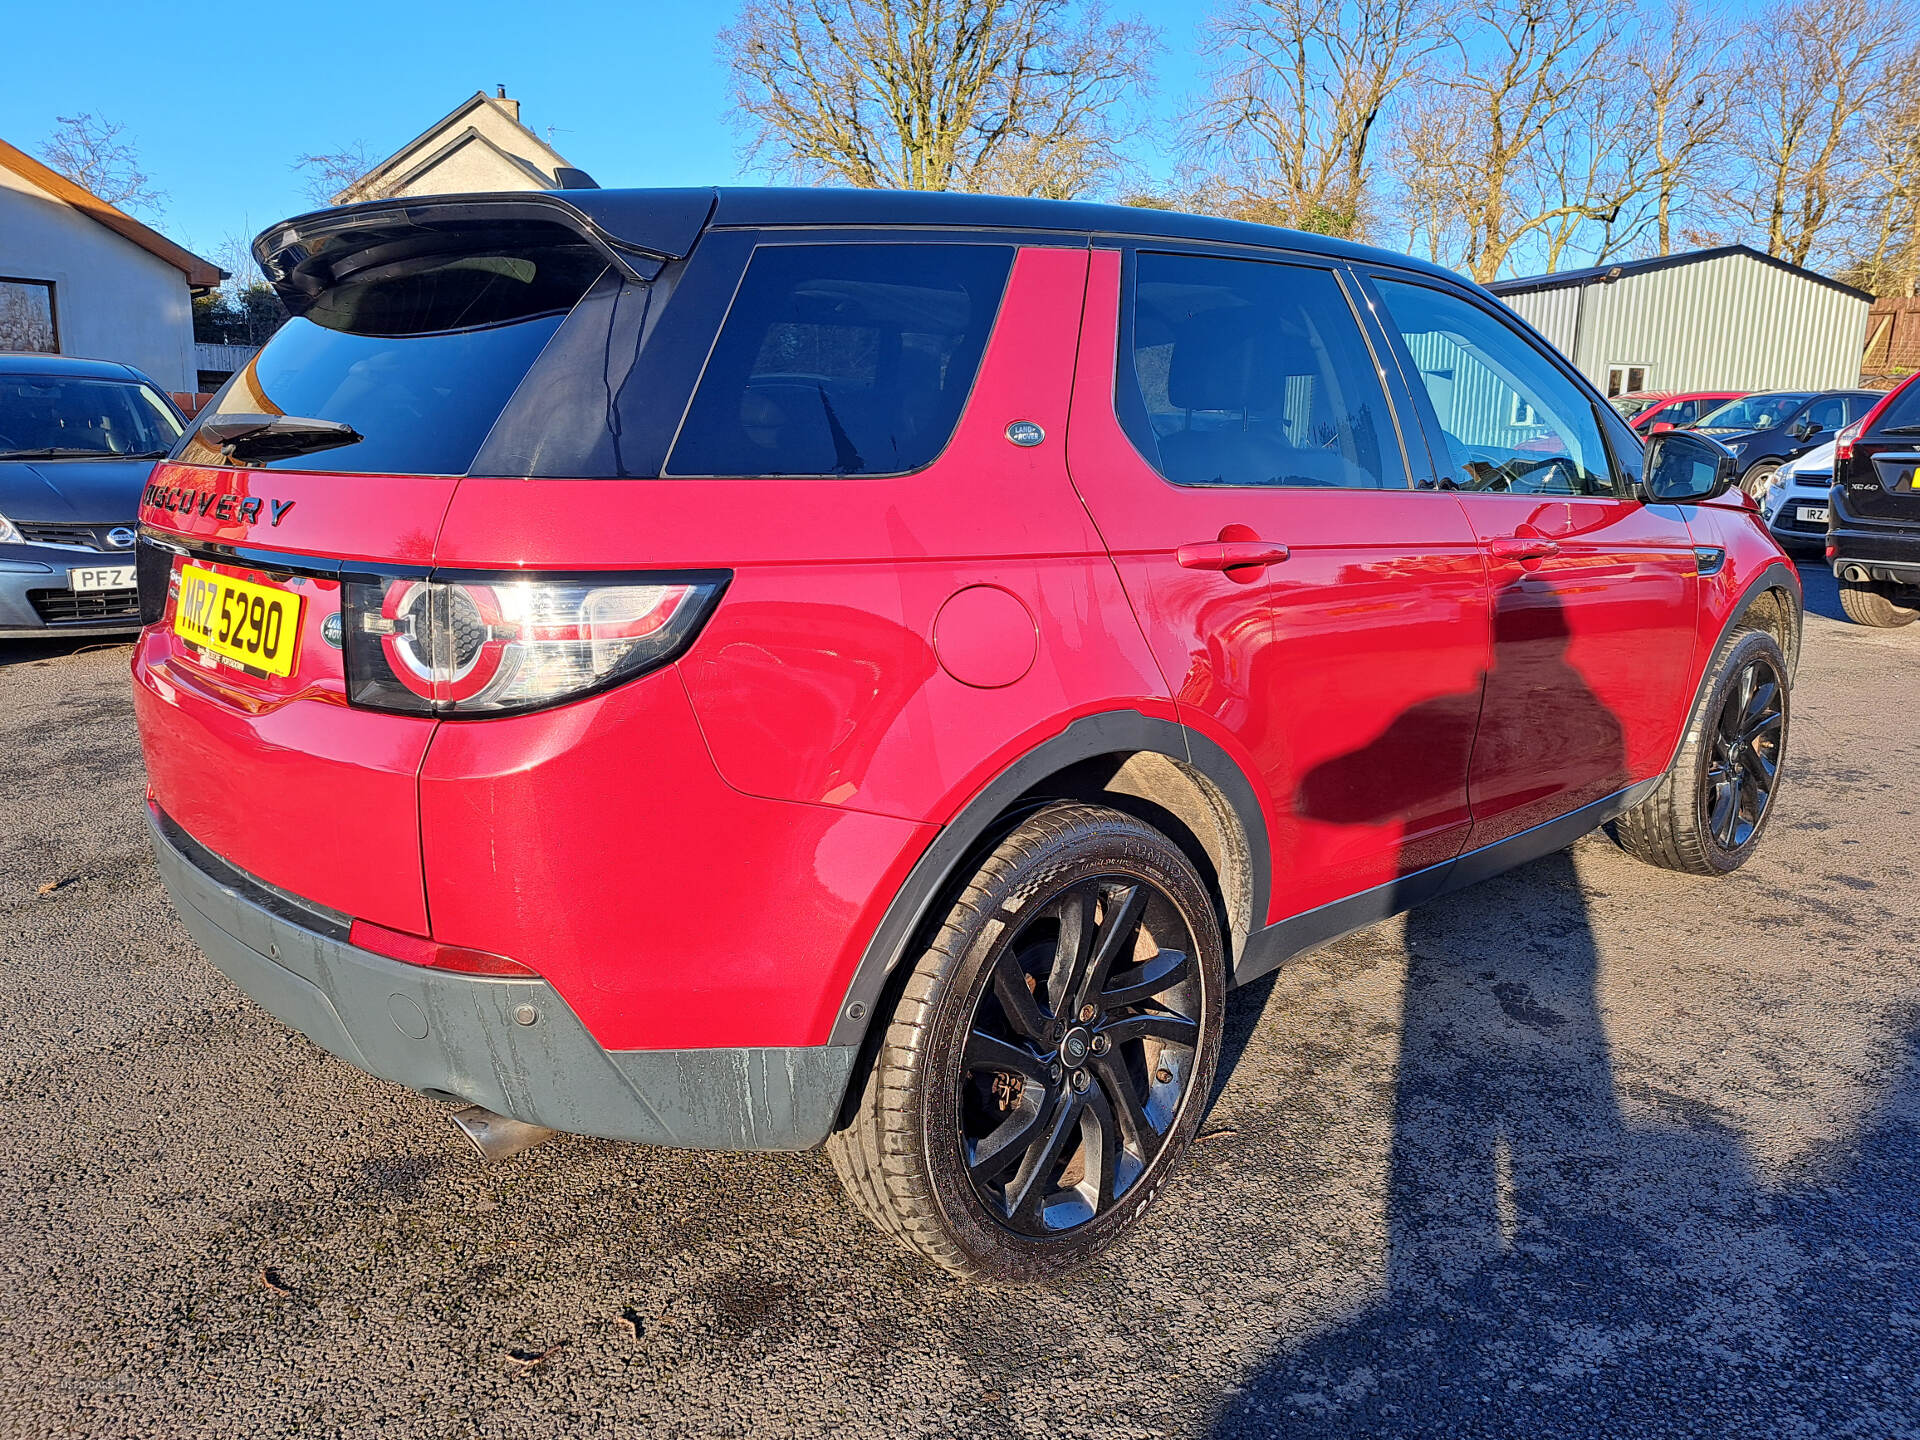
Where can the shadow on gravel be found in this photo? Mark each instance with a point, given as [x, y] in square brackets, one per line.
[27, 652]
[1554, 1270]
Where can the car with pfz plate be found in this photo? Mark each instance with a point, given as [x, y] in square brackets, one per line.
[78, 439]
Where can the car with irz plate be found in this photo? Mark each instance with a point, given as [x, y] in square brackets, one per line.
[772, 669]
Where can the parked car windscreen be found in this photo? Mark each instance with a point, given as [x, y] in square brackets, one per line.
[419, 357]
[842, 360]
[51, 416]
[1754, 412]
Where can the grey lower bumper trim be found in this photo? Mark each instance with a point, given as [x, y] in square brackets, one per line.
[452, 1034]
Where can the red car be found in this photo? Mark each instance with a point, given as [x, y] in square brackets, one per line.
[1649, 413]
[764, 669]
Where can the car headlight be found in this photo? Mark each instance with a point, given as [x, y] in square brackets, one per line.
[8, 534]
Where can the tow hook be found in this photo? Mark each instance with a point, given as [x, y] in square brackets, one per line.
[498, 1137]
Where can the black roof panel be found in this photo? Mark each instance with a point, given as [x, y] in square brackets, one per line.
[665, 222]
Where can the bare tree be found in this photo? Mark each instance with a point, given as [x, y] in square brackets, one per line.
[90, 152]
[1688, 76]
[1479, 147]
[1298, 89]
[1889, 259]
[1030, 97]
[1821, 72]
[335, 178]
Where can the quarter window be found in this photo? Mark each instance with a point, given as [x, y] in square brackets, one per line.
[1512, 420]
[843, 360]
[1247, 372]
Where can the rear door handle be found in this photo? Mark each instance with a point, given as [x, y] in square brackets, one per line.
[1523, 547]
[1230, 554]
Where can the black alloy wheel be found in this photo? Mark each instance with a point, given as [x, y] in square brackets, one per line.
[1745, 756]
[1079, 1054]
[1706, 814]
[1050, 1054]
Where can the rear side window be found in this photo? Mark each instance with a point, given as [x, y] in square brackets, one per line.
[843, 360]
[418, 355]
[1251, 372]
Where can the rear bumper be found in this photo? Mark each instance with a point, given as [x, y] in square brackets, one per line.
[1887, 552]
[466, 1037]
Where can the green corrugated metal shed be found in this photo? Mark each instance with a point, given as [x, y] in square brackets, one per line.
[1728, 318]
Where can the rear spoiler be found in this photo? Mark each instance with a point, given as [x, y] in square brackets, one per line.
[637, 230]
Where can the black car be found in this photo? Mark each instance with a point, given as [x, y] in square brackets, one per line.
[1873, 513]
[78, 439]
[1768, 429]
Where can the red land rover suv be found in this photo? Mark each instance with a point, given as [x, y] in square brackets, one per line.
[764, 669]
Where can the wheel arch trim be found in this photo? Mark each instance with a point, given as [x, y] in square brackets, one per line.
[1775, 575]
[1109, 733]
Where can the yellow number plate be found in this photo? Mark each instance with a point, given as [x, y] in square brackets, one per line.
[256, 625]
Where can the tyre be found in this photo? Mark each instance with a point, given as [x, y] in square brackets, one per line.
[1758, 478]
[1708, 813]
[1871, 602]
[1050, 1056]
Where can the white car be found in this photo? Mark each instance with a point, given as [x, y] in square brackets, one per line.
[1795, 503]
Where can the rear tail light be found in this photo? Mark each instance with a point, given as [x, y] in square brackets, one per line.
[501, 644]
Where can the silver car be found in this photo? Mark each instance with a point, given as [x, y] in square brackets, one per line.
[78, 439]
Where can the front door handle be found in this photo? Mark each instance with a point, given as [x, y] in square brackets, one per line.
[1230, 554]
[1523, 547]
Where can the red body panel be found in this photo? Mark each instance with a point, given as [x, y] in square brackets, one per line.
[1345, 679]
[596, 844]
[280, 776]
[1593, 648]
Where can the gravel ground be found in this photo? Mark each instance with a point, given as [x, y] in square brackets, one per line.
[1590, 1149]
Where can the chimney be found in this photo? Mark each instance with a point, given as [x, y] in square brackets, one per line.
[512, 107]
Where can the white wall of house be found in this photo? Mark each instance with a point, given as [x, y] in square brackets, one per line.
[112, 300]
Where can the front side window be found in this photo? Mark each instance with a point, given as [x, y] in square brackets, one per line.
[26, 317]
[1251, 372]
[843, 360]
[53, 417]
[1511, 419]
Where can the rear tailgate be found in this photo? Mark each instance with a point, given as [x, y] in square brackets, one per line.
[276, 774]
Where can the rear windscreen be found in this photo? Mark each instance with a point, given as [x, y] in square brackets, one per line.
[842, 360]
[417, 352]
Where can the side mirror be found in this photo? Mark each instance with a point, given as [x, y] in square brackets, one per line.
[1684, 467]
[1659, 427]
[1803, 428]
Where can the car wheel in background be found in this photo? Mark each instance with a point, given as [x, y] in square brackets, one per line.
[1758, 478]
[1051, 1054]
[1871, 602]
[1709, 810]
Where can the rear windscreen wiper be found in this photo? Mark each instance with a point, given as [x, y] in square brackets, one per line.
[59, 452]
[275, 437]
[1900, 429]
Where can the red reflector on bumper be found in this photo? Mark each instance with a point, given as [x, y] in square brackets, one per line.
[431, 954]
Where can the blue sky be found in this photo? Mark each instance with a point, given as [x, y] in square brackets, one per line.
[219, 97]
